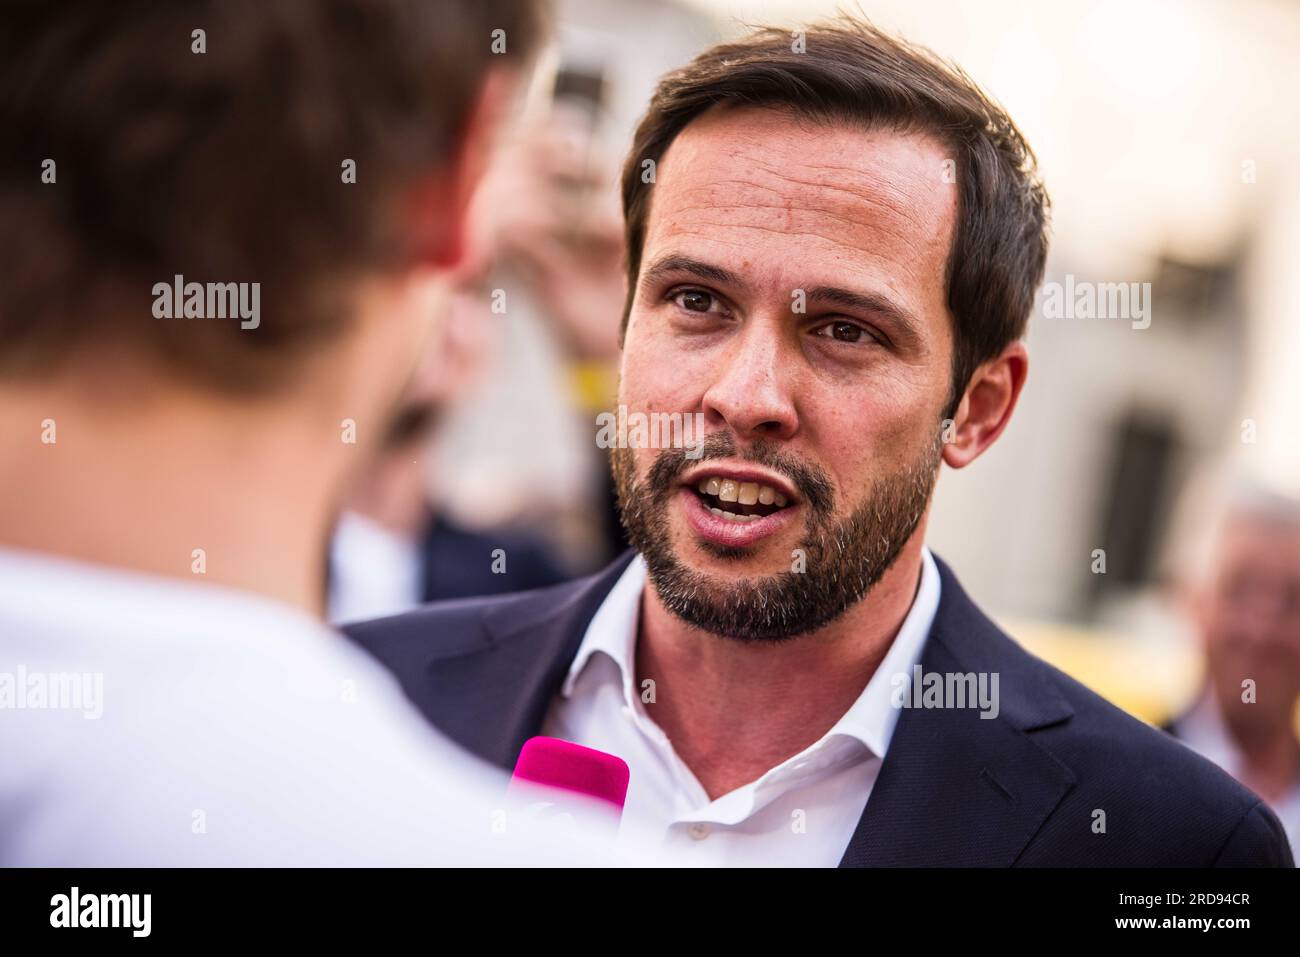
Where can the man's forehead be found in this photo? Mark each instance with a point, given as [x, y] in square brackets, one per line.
[1252, 544]
[751, 177]
[1267, 534]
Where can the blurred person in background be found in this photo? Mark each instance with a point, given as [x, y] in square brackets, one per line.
[301, 172]
[395, 547]
[518, 449]
[561, 239]
[1246, 608]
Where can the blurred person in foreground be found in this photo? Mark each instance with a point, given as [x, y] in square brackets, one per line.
[172, 468]
[833, 243]
[1247, 611]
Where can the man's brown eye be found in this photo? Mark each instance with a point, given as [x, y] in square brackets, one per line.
[695, 301]
[845, 331]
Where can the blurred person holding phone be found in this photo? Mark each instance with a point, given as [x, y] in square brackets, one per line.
[229, 228]
[557, 247]
[520, 442]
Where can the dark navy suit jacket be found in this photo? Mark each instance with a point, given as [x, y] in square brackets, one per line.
[955, 789]
[458, 562]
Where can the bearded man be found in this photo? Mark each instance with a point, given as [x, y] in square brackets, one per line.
[833, 248]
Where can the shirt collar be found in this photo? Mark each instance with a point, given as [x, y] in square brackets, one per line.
[871, 719]
[613, 628]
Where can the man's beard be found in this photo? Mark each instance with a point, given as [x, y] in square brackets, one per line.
[841, 560]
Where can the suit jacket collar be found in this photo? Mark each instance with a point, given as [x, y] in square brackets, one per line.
[955, 789]
[540, 638]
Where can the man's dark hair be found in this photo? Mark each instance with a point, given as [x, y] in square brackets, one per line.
[224, 165]
[847, 71]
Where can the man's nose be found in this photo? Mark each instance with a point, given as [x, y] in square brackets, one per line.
[751, 387]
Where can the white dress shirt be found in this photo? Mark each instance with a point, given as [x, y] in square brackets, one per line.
[150, 721]
[374, 572]
[799, 813]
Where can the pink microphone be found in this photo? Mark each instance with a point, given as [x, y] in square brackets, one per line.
[562, 786]
[566, 766]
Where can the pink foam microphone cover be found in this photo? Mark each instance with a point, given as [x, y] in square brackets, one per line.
[566, 766]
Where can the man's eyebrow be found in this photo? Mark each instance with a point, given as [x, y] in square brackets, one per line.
[694, 267]
[903, 327]
[902, 322]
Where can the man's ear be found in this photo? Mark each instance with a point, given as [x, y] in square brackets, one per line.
[440, 206]
[986, 407]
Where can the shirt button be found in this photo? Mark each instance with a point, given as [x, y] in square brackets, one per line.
[698, 831]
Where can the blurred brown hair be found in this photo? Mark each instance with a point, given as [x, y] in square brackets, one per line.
[852, 73]
[223, 166]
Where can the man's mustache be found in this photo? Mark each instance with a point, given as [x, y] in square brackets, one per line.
[810, 481]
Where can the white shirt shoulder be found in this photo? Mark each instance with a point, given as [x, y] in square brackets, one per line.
[146, 721]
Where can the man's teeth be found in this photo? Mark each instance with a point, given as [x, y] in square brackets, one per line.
[743, 493]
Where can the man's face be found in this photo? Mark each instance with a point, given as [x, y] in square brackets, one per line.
[1251, 619]
[792, 290]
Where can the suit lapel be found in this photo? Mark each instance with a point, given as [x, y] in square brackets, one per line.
[956, 789]
[509, 685]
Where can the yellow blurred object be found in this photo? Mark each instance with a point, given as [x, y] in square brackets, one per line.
[1155, 683]
[1152, 682]
[593, 385]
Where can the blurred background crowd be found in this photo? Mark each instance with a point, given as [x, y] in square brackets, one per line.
[1139, 523]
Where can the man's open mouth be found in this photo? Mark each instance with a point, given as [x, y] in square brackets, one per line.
[739, 501]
